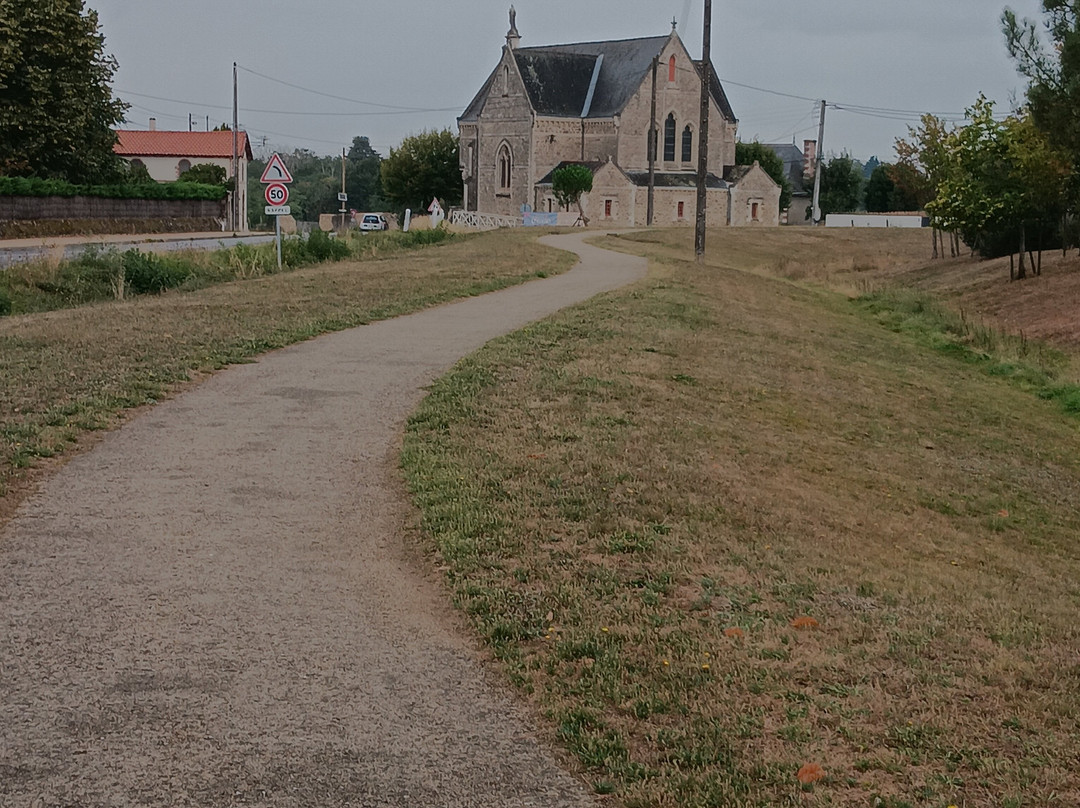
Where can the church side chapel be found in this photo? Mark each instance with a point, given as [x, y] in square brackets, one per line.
[591, 103]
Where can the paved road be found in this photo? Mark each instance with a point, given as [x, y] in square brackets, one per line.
[214, 606]
[23, 250]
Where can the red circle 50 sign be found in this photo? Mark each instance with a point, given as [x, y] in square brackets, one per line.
[277, 194]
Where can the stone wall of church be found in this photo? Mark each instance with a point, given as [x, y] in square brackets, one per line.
[755, 201]
[506, 120]
[681, 99]
[561, 139]
[668, 213]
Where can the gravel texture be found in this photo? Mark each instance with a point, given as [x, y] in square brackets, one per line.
[215, 607]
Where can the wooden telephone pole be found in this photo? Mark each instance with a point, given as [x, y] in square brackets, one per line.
[703, 140]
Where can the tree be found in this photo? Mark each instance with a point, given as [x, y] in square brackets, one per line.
[568, 183]
[422, 168]
[748, 153]
[57, 111]
[1054, 72]
[883, 195]
[1004, 182]
[363, 179]
[841, 186]
[206, 174]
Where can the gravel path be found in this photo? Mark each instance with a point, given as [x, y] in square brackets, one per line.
[214, 607]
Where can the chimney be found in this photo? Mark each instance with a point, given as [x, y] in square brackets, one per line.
[809, 156]
[513, 38]
[153, 124]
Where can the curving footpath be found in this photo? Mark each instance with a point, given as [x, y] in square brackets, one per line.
[214, 607]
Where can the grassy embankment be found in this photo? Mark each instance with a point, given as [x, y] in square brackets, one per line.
[724, 529]
[73, 371]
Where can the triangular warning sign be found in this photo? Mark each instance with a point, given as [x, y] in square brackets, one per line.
[275, 171]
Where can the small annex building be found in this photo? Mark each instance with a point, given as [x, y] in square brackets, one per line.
[591, 103]
[166, 155]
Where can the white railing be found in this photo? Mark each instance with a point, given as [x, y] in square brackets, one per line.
[483, 221]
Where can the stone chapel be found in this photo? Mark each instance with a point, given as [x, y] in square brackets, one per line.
[591, 103]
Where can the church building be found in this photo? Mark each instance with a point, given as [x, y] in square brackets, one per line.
[592, 103]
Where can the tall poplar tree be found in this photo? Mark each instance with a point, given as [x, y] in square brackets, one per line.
[57, 111]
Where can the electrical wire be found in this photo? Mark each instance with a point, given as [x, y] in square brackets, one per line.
[392, 107]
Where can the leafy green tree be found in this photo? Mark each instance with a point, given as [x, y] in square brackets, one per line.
[422, 168]
[1005, 183]
[747, 154]
[363, 177]
[1054, 72]
[568, 183]
[205, 174]
[57, 111]
[841, 186]
[883, 195]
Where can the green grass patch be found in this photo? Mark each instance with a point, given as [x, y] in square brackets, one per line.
[721, 525]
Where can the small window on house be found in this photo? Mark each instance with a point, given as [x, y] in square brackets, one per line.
[607, 208]
[182, 166]
[669, 138]
[682, 209]
[687, 145]
[551, 205]
[754, 211]
[671, 71]
[506, 165]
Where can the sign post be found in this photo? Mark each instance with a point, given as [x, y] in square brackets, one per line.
[276, 178]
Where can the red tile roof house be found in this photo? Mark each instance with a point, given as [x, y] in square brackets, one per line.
[166, 155]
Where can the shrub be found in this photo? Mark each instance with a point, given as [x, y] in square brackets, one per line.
[5, 302]
[33, 186]
[146, 273]
[321, 247]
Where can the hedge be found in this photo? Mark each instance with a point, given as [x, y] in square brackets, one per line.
[34, 186]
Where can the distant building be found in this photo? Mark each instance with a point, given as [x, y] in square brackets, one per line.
[799, 167]
[590, 103]
[166, 155]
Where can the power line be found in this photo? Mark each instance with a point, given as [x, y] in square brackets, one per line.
[401, 111]
[343, 98]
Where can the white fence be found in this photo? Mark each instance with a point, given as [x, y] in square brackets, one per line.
[876, 220]
[483, 221]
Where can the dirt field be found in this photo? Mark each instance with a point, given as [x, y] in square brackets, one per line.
[213, 606]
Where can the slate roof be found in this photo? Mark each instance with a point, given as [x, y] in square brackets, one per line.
[159, 143]
[675, 180]
[558, 78]
[792, 156]
[641, 178]
[592, 165]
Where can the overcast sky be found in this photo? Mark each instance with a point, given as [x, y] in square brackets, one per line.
[431, 56]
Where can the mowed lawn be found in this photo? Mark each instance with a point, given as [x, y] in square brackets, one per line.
[741, 544]
[66, 374]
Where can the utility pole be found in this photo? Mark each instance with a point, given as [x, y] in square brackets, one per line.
[652, 146]
[703, 138]
[343, 208]
[235, 207]
[817, 167]
[190, 123]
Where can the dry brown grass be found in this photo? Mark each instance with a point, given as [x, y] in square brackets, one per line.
[616, 489]
[66, 374]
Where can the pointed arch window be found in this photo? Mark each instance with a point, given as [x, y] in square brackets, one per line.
[506, 166]
[687, 144]
[669, 138]
[506, 80]
[671, 71]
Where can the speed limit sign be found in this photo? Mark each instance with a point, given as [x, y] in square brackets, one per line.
[277, 194]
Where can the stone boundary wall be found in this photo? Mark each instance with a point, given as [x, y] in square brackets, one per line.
[37, 208]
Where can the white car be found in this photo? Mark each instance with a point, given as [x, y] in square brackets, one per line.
[374, 221]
